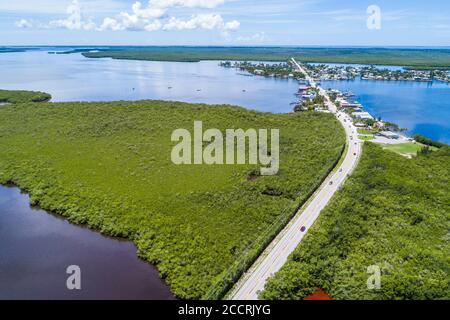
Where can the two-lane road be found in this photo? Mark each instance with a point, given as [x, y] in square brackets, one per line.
[277, 253]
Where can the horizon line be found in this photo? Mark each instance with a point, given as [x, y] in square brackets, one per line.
[231, 46]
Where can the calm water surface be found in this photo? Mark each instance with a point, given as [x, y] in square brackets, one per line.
[420, 107]
[36, 248]
[75, 78]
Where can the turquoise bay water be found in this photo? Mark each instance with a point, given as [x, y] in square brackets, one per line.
[71, 77]
[420, 107]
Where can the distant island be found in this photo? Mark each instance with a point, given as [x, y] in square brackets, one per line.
[417, 58]
[340, 72]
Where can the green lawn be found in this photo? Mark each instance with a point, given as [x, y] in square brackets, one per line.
[107, 165]
[367, 131]
[394, 213]
[366, 137]
[408, 148]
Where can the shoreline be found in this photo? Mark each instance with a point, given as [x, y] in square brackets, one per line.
[280, 53]
[86, 227]
[286, 71]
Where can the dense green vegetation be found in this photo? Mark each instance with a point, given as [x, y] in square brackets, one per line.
[419, 58]
[350, 72]
[107, 165]
[427, 141]
[11, 50]
[266, 69]
[392, 212]
[17, 96]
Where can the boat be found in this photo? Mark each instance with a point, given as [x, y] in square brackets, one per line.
[349, 94]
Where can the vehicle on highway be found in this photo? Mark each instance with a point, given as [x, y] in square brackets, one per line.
[303, 229]
[331, 183]
[340, 170]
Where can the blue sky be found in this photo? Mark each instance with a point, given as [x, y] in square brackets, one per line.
[223, 22]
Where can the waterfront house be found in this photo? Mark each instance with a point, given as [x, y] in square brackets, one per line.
[351, 105]
[362, 115]
[303, 88]
[389, 135]
[379, 125]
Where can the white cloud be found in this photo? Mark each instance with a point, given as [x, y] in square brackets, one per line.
[149, 12]
[232, 25]
[153, 26]
[151, 17]
[156, 16]
[205, 21]
[254, 38]
[140, 19]
[74, 20]
[186, 3]
[23, 23]
[111, 24]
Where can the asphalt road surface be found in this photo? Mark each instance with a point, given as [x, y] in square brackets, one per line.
[277, 253]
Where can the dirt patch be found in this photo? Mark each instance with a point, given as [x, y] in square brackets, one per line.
[253, 175]
[319, 294]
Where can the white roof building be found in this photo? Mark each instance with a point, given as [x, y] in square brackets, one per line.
[389, 134]
[362, 115]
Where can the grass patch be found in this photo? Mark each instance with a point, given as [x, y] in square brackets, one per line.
[367, 131]
[107, 165]
[366, 137]
[392, 212]
[18, 96]
[408, 148]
